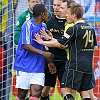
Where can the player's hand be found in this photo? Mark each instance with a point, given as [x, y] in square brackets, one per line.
[44, 34]
[52, 68]
[38, 38]
[48, 56]
[49, 33]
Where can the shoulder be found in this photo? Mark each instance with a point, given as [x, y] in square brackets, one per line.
[27, 23]
[23, 14]
[43, 24]
[51, 19]
[67, 26]
[70, 30]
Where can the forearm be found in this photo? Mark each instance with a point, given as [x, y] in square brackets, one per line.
[52, 43]
[64, 47]
[47, 55]
[30, 48]
[95, 48]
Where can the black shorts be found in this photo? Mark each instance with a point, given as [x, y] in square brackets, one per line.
[93, 83]
[77, 80]
[50, 79]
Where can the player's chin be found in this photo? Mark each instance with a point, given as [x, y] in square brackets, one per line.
[68, 21]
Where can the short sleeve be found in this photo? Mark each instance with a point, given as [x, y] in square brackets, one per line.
[68, 36]
[25, 33]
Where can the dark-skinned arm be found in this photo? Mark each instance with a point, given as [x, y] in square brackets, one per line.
[47, 55]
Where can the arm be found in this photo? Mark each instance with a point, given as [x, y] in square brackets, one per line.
[50, 38]
[95, 42]
[95, 48]
[47, 36]
[52, 43]
[47, 55]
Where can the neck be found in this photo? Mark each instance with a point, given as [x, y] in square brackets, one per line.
[75, 20]
[37, 20]
[30, 11]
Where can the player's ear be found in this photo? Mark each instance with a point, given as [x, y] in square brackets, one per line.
[74, 15]
[42, 14]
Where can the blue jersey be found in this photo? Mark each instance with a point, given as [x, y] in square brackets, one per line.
[28, 61]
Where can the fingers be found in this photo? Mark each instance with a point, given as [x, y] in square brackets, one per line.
[36, 35]
[49, 33]
[52, 68]
[52, 56]
[42, 32]
[53, 71]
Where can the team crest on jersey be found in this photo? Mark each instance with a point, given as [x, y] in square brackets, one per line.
[17, 23]
[27, 38]
[66, 35]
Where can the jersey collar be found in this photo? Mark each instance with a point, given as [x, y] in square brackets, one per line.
[59, 17]
[80, 21]
[29, 12]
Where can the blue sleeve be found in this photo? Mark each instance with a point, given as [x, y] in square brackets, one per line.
[25, 33]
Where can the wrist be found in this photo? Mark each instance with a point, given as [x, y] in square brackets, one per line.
[49, 38]
[42, 52]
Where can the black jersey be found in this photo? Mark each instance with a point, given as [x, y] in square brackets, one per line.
[81, 40]
[56, 27]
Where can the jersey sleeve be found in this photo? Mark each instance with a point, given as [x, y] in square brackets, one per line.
[17, 30]
[68, 36]
[25, 33]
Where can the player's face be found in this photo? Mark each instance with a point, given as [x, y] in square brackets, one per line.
[56, 7]
[70, 17]
[63, 9]
[31, 4]
[45, 16]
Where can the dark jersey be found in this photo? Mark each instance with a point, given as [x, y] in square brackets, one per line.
[81, 40]
[56, 27]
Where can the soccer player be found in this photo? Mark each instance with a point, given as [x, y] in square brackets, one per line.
[81, 40]
[29, 60]
[56, 26]
[26, 15]
[63, 11]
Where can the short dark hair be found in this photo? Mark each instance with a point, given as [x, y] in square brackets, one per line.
[38, 9]
[77, 9]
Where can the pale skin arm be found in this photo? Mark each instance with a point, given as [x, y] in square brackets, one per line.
[46, 35]
[95, 48]
[52, 43]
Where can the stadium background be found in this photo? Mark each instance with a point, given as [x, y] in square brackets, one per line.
[9, 11]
